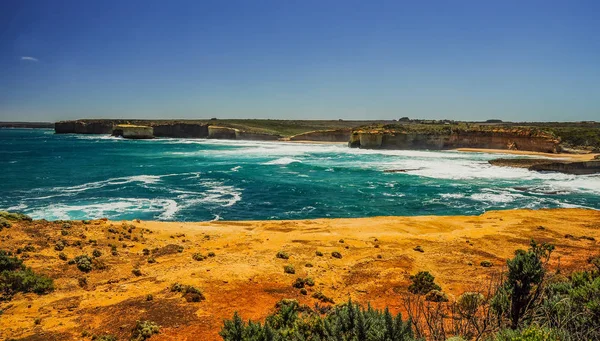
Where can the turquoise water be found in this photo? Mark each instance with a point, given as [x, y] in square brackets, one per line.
[90, 176]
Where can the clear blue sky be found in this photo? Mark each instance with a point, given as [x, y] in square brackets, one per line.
[471, 60]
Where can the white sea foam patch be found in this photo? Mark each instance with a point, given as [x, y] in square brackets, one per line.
[496, 197]
[282, 161]
[216, 193]
[162, 208]
[452, 195]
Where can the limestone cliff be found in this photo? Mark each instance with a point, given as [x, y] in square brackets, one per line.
[512, 139]
[183, 130]
[130, 131]
[336, 135]
[85, 127]
[216, 132]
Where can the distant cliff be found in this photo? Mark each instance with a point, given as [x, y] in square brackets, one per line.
[415, 137]
[335, 135]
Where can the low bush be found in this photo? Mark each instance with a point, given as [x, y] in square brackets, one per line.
[422, 283]
[96, 253]
[321, 297]
[136, 272]
[143, 330]
[198, 257]
[282, 255]
[486, 264]
[190, 293]
[288, 269]
[14, 216]
[16, 277]
[336, 254]
[319, 253]
[84, 263]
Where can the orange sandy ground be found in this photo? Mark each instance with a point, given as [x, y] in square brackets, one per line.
[246, 276]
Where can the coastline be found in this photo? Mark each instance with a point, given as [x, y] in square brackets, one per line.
[246, 276]
[566, 156]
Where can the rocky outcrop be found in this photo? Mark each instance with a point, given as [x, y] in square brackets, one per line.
[336, 135]
[182, 130]
[547, 165]
[245, 135]
[85, 127]
[216, 132]
[452, 140]
[578, 168]
[130, 131]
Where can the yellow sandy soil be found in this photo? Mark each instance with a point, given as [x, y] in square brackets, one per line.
[245, 275]
[570, 157]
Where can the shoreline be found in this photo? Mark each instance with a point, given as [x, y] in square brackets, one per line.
[245, 275]
[565, 156]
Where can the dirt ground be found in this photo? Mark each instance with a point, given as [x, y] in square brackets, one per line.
[245, 275]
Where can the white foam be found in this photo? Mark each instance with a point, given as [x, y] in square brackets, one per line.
[282, 161]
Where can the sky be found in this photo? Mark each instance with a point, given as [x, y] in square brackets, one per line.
[466, 60]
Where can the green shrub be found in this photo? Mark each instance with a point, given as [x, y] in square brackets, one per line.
[96, 253]
[84, 263]
[62, 256]
[282, 255]
[4, 223]
[321, 297]
[15, 277]
[198, 257]
[298, 283]
[149, 297]
[151, 260]
[319, 253]
[144, 330]
[308, 265]
[190, 293]
[136, 272]
[336, 254]
[486, 264]
[59, 246]
[288, 269]
[348, 321]
[419, 248]
[422, 283]
[14, 216]
[436, 296]
[211, 254]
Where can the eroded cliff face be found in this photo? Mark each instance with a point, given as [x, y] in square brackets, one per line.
[83, 127]
[216, 132]
[337, 135]
[136, 132]
[183, 130]
[510, 140]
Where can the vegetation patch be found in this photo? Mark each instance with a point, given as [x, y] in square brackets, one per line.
[143, 330]
[422, 283]
[190, 293]
[16, 277]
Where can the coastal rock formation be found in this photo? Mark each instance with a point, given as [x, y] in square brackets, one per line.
[336, 135]
[245, 135]
[183, 130]
[546, 165]
[130, 131]
[216, 132]
[85, 127]
[578, 168]
[449, 139]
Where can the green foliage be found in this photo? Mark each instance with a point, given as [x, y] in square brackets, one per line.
[319, 253]
[190, 293]
[16, 277]
[532, 333]
[321, 297]
[14, 216]
[288, 269]
[486, 264]
[198, 257]
[336, 254]
[422, 283]
[294, 322]
[84, 263]
[144, 330]
[436, 296]
[136, 272]
[283, 255]
[96, 253]
[4, 223]
[522, 286]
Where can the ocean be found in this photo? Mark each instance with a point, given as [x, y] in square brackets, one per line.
[59, 177]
